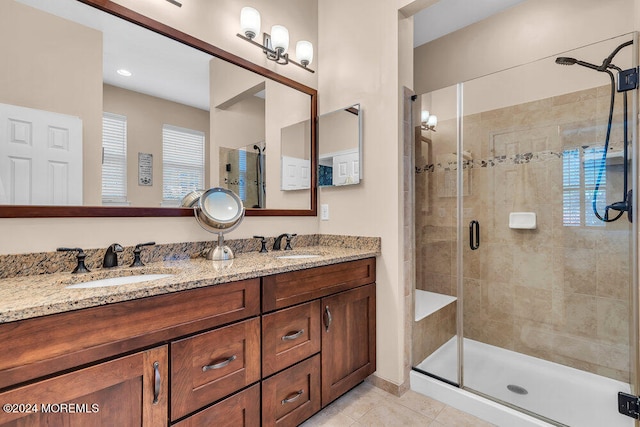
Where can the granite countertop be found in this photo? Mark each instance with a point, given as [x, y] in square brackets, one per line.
[38, 295]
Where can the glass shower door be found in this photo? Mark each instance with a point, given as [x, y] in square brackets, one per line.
[435, 349]
[546, 274]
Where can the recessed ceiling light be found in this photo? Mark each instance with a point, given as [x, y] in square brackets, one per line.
[124, 73]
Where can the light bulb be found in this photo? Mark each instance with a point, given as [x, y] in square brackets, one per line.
[280, 38]
[424, 115]
[432, 121]
[304, 52]
[250, 22]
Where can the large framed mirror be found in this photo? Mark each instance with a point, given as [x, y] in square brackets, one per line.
[80, 139]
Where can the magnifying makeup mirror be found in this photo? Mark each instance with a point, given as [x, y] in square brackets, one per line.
[219, 210]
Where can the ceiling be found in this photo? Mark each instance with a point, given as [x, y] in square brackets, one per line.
[160, 66]
[447, 16]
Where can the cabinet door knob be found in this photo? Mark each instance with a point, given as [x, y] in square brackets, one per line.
[292, 397]
[157, 383]
[293, 335]
[327, 318]
[219, 364]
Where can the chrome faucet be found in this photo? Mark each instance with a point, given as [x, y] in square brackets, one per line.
[111, 256]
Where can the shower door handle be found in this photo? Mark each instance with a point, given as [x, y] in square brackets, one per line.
[474, 235]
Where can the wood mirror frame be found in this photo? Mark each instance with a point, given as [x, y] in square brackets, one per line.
[39, 211]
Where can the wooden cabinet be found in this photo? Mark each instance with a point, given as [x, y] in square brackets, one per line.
[348, 340]
[129, 391]
[218, 355]
[45, 345]
[324, 312]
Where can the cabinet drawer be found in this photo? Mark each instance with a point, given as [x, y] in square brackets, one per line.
[240, 410]
[293, 395]
[289, 336]
[286, 289]
[212, 365]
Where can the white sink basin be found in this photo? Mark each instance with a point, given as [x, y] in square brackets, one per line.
[298, 256]
[115, 281]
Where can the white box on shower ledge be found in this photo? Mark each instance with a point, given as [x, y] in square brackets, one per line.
[522, 220]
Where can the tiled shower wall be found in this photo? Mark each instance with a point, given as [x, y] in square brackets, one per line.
[558, 292]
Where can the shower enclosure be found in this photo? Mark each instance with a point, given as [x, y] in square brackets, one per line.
[525, 255]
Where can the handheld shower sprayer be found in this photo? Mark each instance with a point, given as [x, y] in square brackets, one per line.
[626, 204]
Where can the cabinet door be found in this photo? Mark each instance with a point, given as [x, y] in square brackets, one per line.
[348, 340]
[130, 391]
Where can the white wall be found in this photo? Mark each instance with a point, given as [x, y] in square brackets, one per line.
[358, 47]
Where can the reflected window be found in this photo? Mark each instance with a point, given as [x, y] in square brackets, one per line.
[114, 159]
[242, 171]
[581, 170]
[182, 163]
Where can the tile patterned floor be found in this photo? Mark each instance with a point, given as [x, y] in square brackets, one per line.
[367, 405]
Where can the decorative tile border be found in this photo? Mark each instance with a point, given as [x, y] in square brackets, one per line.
[517, 159]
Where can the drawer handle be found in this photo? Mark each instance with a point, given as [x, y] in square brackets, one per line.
[327, 318]
[219, 364]
[293, 397]
[293, 335]
[157, 383]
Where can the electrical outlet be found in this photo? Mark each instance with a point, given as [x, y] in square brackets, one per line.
[324, 212]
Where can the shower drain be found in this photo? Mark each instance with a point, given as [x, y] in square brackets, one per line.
[517, 389]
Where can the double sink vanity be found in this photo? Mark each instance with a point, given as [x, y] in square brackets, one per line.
[270, 340]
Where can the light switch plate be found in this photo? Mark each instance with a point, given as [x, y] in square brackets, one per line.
[324, 212]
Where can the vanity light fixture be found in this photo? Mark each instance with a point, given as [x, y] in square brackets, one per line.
[124, 73]
[428, 121]
[276, 44]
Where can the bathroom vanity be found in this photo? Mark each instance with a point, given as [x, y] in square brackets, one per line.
[266, 350]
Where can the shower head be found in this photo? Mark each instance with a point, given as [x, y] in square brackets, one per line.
[565, 60]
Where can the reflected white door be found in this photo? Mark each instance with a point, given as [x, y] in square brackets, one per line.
[40, 157]
[295, 173]
[346, 168]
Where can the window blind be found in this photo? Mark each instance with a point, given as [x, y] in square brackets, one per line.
[182, 162]
[580, 170]
[114, 158]
[571, 190]
[242, 180]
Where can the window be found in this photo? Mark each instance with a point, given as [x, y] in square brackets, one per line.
[114, 159]
[580, 170]
[182, 163]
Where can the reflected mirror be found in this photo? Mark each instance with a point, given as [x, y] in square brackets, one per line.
[295, 157]
[127, 117]
[340, 147]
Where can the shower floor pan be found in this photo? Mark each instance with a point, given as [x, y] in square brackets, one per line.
[566, 395]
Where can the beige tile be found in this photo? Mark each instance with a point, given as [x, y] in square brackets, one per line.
[359, 401]
[327, 418]
[421, 404]
[613, 320]
[393, 414]
[451, 417]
